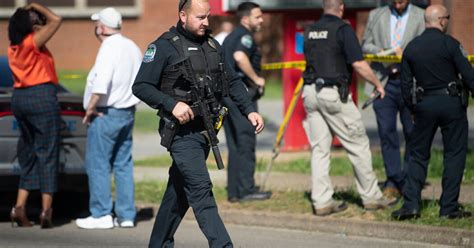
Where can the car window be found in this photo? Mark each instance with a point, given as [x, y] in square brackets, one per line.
[6, 79]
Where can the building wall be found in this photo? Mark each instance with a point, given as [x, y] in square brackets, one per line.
[462, 22]
[75, 46]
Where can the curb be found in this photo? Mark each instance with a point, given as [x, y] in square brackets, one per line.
[384, 230]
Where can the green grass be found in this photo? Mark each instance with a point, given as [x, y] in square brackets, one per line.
[299, 202]
[73, 80]
[273, 89]
[146, 121]
[361, 96]
[160, 161]
[149, 191]
[340, 165]
[429, 212]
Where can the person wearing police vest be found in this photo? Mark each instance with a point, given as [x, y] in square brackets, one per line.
[332, 51]
[241, 52]
[431, 88]
[161, 83]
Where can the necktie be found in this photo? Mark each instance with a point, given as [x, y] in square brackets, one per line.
[397, 33]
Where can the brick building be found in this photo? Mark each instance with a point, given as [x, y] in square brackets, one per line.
[75, 46]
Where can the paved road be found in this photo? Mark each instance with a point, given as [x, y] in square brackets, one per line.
[188, 235]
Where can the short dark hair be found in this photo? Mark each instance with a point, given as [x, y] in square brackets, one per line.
[245, 8]
[184, 4]
[19, 26]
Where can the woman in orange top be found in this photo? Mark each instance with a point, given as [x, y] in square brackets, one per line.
[35, 106]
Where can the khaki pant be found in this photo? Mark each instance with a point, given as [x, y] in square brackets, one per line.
[327, 115]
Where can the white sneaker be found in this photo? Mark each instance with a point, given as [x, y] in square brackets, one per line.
[104, 222]
[124, 223]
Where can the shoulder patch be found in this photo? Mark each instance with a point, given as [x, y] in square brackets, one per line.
[464, 53]
[246, 41]
[149, 53]
[211, 43]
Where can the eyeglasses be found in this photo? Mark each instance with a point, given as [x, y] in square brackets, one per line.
[182, 5]
[444, 17]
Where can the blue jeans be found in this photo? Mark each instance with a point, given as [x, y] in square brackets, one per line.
[386, 111]
[109, 147]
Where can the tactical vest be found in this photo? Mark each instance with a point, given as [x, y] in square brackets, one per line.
[324, 56]
[206, 62]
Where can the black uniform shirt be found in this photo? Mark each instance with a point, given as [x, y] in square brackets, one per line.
[241, 39]
[159, 55]
[348, 41]
[434, 59]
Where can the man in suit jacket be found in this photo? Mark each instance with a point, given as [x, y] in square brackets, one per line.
[388, 31]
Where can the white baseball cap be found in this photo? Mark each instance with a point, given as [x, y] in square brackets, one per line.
[110, 17]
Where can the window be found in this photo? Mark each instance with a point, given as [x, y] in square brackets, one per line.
[298, 4]
[76, 8]
[231, 5]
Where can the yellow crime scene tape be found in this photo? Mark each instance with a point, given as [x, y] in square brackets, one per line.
[300, 64]
[72, 76]
[285, 65]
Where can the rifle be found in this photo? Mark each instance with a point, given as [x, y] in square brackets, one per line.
[205, 105]
[371, 100]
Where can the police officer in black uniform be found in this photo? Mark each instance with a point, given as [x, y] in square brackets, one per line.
[430, 67]
[243, 54]
[161, 84]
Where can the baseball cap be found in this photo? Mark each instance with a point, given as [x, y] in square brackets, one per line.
[110, 17]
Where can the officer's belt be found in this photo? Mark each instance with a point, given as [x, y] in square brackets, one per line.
[438, 92]
[322, 82]
[394, 76]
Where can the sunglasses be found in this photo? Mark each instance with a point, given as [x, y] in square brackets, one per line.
[444, 17]
[37, 18]
[181, 6]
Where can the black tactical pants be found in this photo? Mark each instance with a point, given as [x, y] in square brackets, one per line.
[241, 141]
[446, 112]
[189, 185]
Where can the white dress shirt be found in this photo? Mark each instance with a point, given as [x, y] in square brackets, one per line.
[113, 73]
[220, 37]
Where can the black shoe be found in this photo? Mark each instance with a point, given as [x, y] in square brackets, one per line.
[405, 214]
[257, 196]
[233, 199]
[459, 214]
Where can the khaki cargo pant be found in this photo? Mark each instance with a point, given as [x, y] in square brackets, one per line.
[327, 115]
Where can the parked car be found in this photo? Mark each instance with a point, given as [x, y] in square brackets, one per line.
[72, 175]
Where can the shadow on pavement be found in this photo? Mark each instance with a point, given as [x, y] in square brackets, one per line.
[67, 207]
